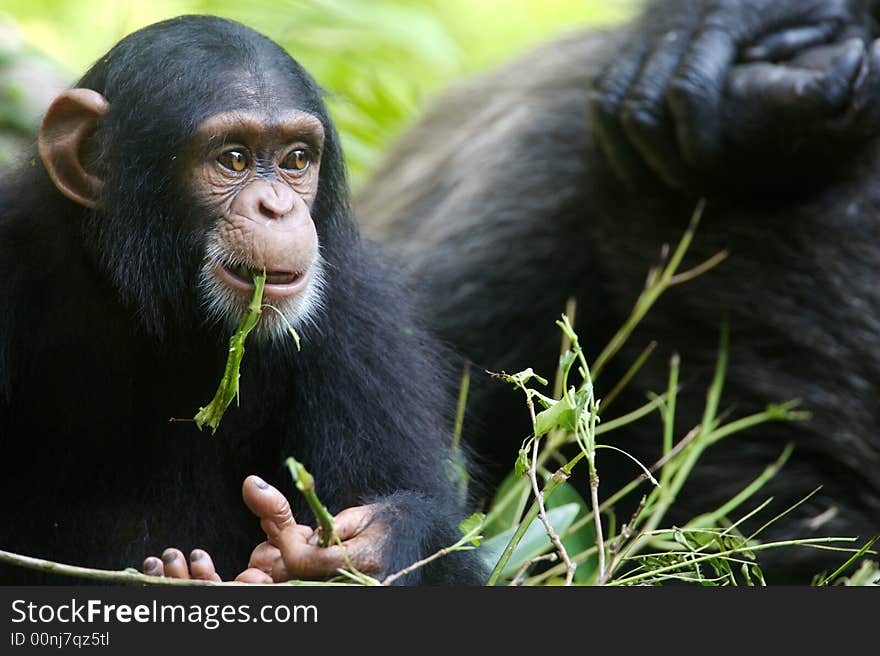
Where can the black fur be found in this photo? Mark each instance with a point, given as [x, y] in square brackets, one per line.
[102, 341]
[501, 203]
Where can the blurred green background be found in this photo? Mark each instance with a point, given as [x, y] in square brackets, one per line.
[379, 60]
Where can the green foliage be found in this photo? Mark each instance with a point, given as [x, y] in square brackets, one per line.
[584, 537]
[471, 528]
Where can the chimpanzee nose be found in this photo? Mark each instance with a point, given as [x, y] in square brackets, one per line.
[275, 199]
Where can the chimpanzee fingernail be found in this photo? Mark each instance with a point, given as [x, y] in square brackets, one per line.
[151, 565]
[169, 556]
[757, 52]
[260, 483]
[196, 554]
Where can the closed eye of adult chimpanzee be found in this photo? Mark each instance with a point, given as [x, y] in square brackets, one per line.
[194, 154]
[563, 173]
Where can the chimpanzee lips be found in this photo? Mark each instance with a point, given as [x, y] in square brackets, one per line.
[279, 283]
[246, 274]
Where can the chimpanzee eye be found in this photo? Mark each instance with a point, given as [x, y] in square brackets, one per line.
[234, 160]
[296, 160]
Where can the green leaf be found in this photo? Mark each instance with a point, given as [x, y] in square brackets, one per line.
[534, 543]
[522, 377]
[680, 537]
[561, 414]
[522, 463]
[566, 360]
[473, 524]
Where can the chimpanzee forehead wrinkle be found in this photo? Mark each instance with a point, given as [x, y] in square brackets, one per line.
[259, 127]
[180, 71]
[270, 91]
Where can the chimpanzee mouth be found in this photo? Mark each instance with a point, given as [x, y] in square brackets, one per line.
[279, 283]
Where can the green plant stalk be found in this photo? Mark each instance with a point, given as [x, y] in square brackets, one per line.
[560, 476]
[212, 413]
[305, 483]
[775, 413]
[713, 437]
[669, 415]
[463, 544]
[565, 344]
[631, 417]
[461, 405]
[669, 493]
[711, 519]
[650, 295]
[806, 542]
[858, 554]
[587, 443]
[456, 465]
[608, 399]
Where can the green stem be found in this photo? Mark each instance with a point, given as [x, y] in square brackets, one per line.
[559, 477]
[305, 483]
[807, 542]
[650, 295]
[212, 413]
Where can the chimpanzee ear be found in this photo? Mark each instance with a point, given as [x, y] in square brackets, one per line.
[70, 121]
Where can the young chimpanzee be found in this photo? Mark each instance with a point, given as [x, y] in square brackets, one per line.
[194, 154]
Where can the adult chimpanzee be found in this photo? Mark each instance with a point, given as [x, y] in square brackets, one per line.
[564, 172]
[193, 154]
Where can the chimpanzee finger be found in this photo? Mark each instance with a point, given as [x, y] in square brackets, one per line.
[267, 503]
[786, 43]
[153, 566]
[645, 117]
[862, 118]
[694, 95]
[264, 556]
[768, 93]
[201, 566]
[175, 564]
[252, 575]
[306, 561]
[779, 110]
[352, 521]
[604, 110]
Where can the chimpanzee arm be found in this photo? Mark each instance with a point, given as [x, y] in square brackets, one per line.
[677, 103]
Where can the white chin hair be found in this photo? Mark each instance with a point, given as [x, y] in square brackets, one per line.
[224, 306]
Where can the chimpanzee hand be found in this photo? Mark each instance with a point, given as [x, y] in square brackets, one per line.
[291, 550]
[658, 109]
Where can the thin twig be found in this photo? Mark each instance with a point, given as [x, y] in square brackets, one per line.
[521, 574]
[627, 377]
[130, 576]
[570, 567]
[699, 270]
[461, 545]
